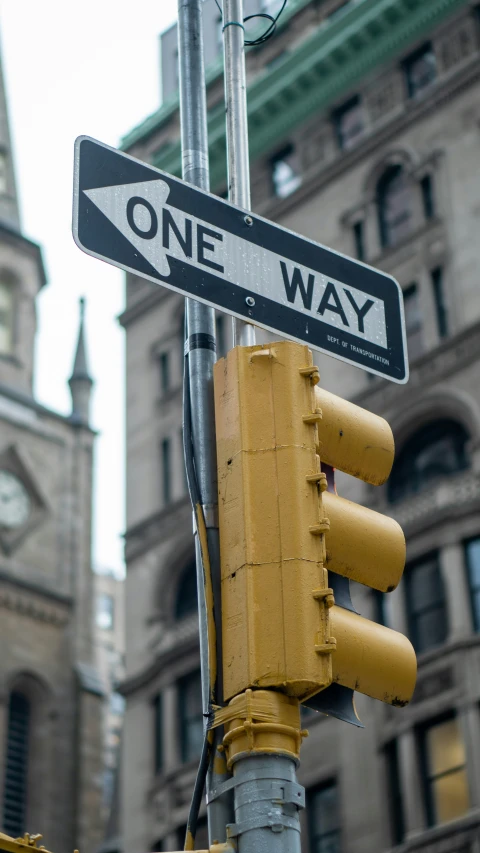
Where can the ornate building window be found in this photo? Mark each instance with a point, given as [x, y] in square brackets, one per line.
[164, 365]
[187, 601]
[105, 611]
[165, 448]
[426, 607]
[395, 206]
[285, 172]
[6, 318]
[16, 765]
[158, 732]
[413, 321]
[472, 553]
[437, 450]
[323, 811]
[190, 714]
[349, 123]
[359, 240]
[420, 70]
[439, 299]
[444, 771]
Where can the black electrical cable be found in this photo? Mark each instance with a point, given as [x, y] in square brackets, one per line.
[269, 32]
[194, 492]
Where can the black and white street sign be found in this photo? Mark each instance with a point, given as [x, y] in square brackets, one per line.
[163, 229]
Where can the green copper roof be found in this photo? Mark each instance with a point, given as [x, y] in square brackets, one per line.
[311, 77]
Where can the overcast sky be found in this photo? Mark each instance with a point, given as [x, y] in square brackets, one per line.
[79, 68]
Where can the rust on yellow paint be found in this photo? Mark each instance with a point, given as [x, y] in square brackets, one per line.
[281, 531]
[372, 659]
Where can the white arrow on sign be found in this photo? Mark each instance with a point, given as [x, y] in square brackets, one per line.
[158, 231]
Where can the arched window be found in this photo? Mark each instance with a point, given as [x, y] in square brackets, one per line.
[395, 206]
[16, 765]
[6, 317]
[436, 450]
[186, 602]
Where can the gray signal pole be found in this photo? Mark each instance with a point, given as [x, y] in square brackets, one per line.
[266, 792]
[237, 129]
[200, 345]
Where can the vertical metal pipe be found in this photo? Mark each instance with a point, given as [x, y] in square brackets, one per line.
[268, 800]
[266, 817]
[237, 129]
[200, 343]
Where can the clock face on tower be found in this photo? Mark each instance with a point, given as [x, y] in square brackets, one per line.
[15, 501]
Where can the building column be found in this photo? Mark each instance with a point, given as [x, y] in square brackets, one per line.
[457, 595]
[411, 784]
[170, 728]
[469, 721]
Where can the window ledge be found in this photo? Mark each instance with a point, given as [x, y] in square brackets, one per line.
[427, 839]
[389, 255]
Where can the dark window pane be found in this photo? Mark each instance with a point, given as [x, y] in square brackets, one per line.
[349, 123]
[187, 602]
[426, 609]
[394, 198]
[158, 739]
[323, 812]
[381, 608]
[359, 241]
[166, 472]
[420, 70]
[440, 307]
[427, 197]
[220, 334]
[164, 372]
[16, 766]
[395, 800]
[435, 451]
[285, 173]
[472, 551]
[191, 716]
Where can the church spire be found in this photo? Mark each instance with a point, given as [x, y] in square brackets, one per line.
[9, 210]
[80, 381]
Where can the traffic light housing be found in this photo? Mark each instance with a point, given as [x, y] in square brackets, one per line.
[282, 532]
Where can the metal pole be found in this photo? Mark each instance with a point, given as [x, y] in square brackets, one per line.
[266, 818]
[237, 129]
[200, 344]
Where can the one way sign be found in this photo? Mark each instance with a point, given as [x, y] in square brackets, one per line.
[157, 226]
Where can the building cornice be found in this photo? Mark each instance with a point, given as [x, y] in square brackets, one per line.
[33, 601]
[161, 116]
[312, 77]
[448, 358]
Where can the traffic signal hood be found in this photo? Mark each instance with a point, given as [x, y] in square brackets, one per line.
[281, 532]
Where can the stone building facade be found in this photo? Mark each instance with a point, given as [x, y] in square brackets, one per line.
[364, 135]
[50, 694]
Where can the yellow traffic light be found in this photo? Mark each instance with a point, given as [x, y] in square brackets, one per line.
[281, 532]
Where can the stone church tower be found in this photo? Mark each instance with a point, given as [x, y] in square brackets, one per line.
[50, 695]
